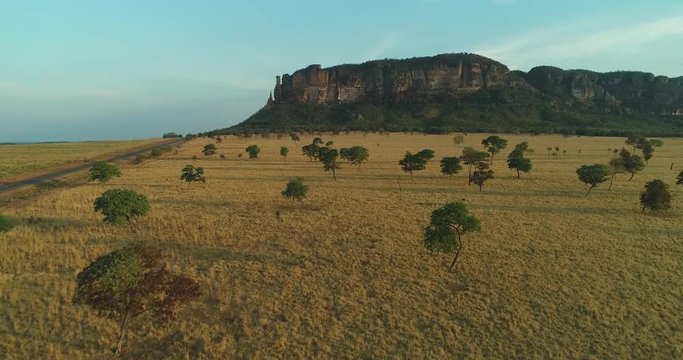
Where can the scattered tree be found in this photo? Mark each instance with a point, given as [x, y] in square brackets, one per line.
[132, 282]
[283, 152]
[635, 141]
[471, 157]
[356, 155]
[616, 166]
[192, 174]
[450, 165]
[481, 173]
[311, 150]
[253, 151]
[679, 180]
[494, 144]
[412, 162]
[295, 190]
[329, 159]
[632, 163]
[294, 136]
[6, 224]
[426, 154]
[647, 149]
[317, 141]
[119, 205]
[209, 150]
[656, 196]
[517, 161]
[593, 175]
[448, 224]
[102, 171]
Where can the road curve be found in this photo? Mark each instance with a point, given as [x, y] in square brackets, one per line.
[60, 173]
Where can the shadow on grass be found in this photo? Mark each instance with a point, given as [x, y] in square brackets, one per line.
[50, 224]
[563, 210]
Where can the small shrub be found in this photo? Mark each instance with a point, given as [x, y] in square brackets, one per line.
[6, 224]
[103, 171]
[295, 189]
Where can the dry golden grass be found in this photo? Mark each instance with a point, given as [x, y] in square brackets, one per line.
[21, 158]
[553, 274]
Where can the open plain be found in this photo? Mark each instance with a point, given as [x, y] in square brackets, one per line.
[553, 273]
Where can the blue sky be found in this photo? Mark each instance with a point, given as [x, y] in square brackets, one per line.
[86, 70]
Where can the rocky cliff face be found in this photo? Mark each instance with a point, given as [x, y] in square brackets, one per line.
[468, 92]
[458, 75]
[391, 80]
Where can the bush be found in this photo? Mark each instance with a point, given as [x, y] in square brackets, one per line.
[6, 224]
[103, 171]
[253, 151]
[119, 206]
[295, 190]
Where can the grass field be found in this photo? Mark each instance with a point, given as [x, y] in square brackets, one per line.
[16, 159]
[552, 274]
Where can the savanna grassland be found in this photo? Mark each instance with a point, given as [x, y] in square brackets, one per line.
[18, 159]
[553, 273]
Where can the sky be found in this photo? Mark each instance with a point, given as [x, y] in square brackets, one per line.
[93, 70]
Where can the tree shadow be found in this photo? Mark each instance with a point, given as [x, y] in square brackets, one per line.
[166, 347]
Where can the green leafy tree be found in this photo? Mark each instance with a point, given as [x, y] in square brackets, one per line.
[426, 154]
[283, 152]
[679, 180]
[593, 175]
[295, 189]
[647, 149]
[632, 163]
[481, 174]
[471, 157]
[494, 144]
[616, 166]
[356, 155]
[119, 205]
[329, 159]
[311, 151]
[517, 161]
[209, 150]
[192, 174]
[448, 224]
[102, 171]
[6, 224]
[635, 141]
[131, 283]
[656, 196]
[253, 151]
[412, 163]
[450, 165]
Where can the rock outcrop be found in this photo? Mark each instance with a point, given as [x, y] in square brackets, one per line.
[391, 80]
[469, 92]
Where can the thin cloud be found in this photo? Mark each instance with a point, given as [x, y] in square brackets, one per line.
[565, 43]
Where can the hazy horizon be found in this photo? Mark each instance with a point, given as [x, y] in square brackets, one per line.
[76, 70]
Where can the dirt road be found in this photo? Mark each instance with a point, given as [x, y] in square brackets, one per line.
[63, 172]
